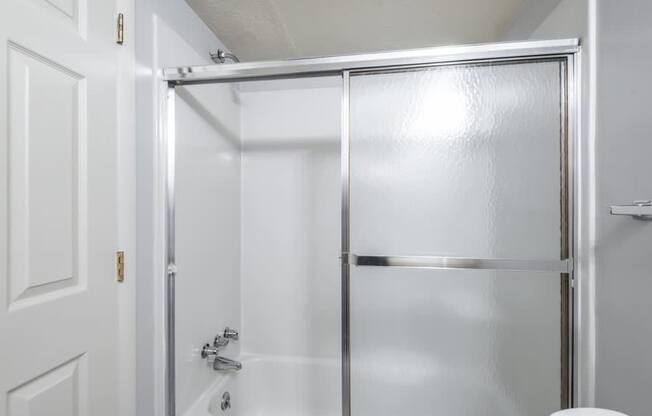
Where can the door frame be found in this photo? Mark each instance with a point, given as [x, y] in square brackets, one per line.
[127, 173]
[568, 49]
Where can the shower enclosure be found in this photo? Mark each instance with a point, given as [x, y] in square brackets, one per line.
[454, 293]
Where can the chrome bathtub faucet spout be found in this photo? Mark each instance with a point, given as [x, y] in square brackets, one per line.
[223, 363]
[211, 352]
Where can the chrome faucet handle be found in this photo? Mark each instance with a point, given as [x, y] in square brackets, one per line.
[231, 334]
[220, 341]
[207, 351]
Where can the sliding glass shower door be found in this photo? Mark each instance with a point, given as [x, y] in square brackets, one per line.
[458, 208]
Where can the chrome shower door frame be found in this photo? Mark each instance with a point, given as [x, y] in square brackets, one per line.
[343, 66]
[565, 266]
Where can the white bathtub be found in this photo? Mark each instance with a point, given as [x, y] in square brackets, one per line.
[276, 386]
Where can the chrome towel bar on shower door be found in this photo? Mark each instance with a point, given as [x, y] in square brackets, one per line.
[437, 262]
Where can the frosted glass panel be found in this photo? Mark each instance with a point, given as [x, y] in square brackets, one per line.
[457, 161]
[454, 342]
[460, 161]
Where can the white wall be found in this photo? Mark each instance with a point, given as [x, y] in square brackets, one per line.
[169, 34]
[532, 13]
[624, 173]
[291, 217]
[570, 18]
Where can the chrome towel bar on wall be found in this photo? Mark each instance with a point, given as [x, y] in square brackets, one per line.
[640, 210]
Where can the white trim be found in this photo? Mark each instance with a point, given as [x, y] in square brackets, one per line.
[586, 337]
[158, 230]
[126, 207]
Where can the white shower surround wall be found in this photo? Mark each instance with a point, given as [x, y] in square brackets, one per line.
[207, 230]
[290, 217]
[258, 240]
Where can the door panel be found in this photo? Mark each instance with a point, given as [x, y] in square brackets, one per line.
[458, 161]
[45, 111]
[60, 391]
[58, 213]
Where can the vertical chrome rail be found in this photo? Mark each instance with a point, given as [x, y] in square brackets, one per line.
[572, 115]
[171, 268]
[345, 165]
[564, 206]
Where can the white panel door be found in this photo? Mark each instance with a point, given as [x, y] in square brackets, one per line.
[59, 338]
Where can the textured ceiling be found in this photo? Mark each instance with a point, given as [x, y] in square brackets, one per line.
[269, 29]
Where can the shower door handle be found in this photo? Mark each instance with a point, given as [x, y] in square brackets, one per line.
[438, 262]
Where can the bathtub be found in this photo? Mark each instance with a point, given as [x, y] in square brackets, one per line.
[275, 386]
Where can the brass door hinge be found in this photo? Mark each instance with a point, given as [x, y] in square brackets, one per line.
[120, 266]
[120, 39]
